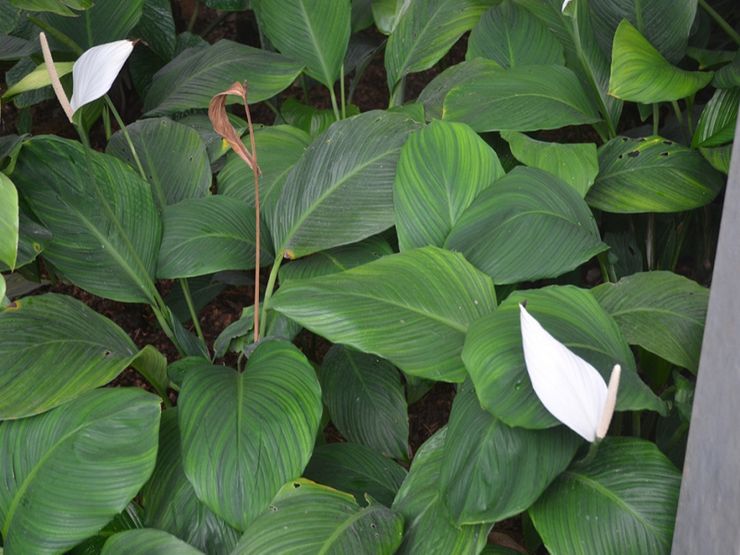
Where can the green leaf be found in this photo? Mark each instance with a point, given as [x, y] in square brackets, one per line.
[429, 527]
[639, 73]
[662, 312]
[575, 163]
[61, 7]
[728, 76]
[717, 121]
[425, 31]
[412, 308]
[490, 471]
[511, 36]
[524, 98]
[623, 501]
[313, 121]
[173, 156]
[190, 80]
[104, 21]
[146, 542]
[313, 32]
[526, 211]
[336, 524]
[325, 204]
[156, 28]
[66, 473]
[170, 502]
[718, 157]
[652, 174]
[356, 469]
[442, 169]
[37, 79]
[385, 14]
[366, 400]
[245, 434]
[208, 235]
[105, 226]
[494, 358]
[9, 222]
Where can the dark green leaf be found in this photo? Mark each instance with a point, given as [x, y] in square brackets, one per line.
[717, 122]
[157, 28]
[147, 542]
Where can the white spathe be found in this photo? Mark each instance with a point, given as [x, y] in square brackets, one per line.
[94, 72]
[565, 5]
[570, 388]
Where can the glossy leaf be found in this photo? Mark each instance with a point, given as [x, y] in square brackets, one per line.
[412, 308]
[306, 517]
[639, 73]
[32, 240]
[147, 542]
[662, 312]
[718, 157]
[101, 214]
[61, 7]
[527, 211]
[717, 122]
[623, 501]
[525, 98]
[190, 80]
[9, 221]
[246, 434]
[493, 354]
[156, 28]
[442, 169]
[326, 204]
[652, 174]
[66, 473]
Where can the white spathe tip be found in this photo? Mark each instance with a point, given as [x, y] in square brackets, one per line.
[570, 388]
[565, 5]
[94, 72]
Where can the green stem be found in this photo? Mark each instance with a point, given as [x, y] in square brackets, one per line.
[650, 242]
[719, 20]
[191, 308]
[268, 292]
[193, 17]
[608, 274]
[125, 132]
[334, 104]
[682, 230]
[273, 109]
[398, 93]
[106, 123]
[341, 92]
[58, 35]
[677, 110]
[636, 424]
[593, 449]
[656, 118]
[83, 136]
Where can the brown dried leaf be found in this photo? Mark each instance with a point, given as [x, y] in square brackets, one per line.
[221, 124]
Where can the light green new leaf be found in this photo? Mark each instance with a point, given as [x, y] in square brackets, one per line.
[208, 235]
[524, 98]
[652, 174]
[147, 542]
[429, 525]
[366, 400]
[173, 156]
[245, 434]
[101, 214]
[662, 312]
[66, 473]
[639, 73]
[494, 358]
[356, 469]
[385, 14]
[717, 121]
[490, 471]
[190, 80]
[576, 164]
[442, 169]
[341, 190]
[37, 79]
[313, 32]
[425, 31]
[9, 222]
[528, 225]
[623, 501]
[412, 308]
[306, 517]
[511, 36]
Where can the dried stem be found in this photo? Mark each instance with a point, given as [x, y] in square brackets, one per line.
[56, 84]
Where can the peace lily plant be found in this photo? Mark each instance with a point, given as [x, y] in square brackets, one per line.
[538, 210]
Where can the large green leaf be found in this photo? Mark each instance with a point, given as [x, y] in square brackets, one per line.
[170, 502]
[245, 434]
[490, 471]
[102, 216]
[718, 118]
[156, 28]
[147, 542]
[366, 401]
[208, 235]
[61, 7]
[173, 156]
[494, 358]
[662, 312]
[190, 80]
[523, 98]
[313, 32]
[623, 501]
[9, 221]
[425, 31]
[341, 190]
[52, 349]
[32, 240]
[429, 527]
[575, 163]
[66, 473]
[105, 21]
[356, 469]
[511, 36]
[442, 169]
[412, 308]
[652, 174]
[306, 517]
[528, 225]
[639, 73]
